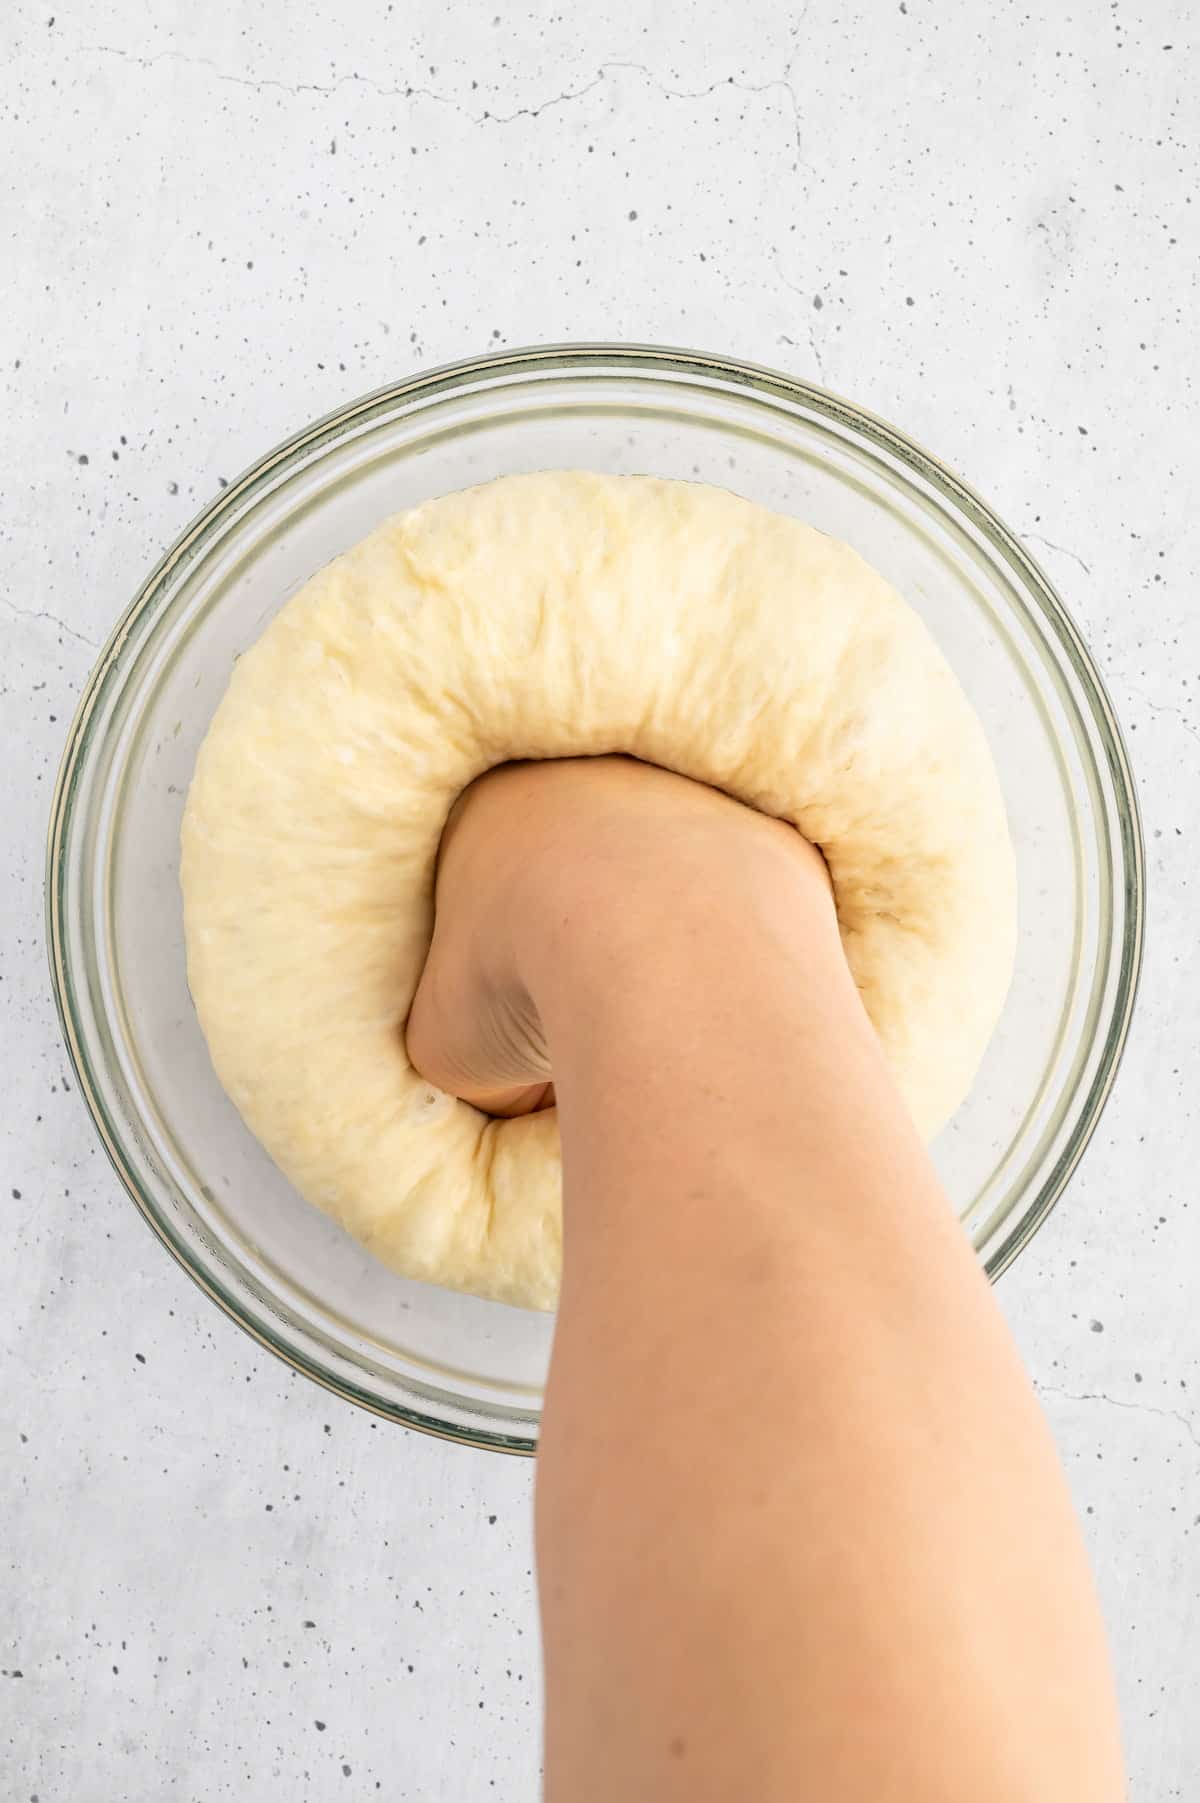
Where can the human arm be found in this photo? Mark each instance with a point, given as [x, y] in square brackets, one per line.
[801, 1530]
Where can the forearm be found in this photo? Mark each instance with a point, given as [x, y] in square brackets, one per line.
[801, 1531]
[785, 1424]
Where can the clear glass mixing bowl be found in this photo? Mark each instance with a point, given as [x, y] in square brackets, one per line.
[450, 1364]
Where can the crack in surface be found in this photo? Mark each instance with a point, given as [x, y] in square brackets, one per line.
[1038, 538]
[809, 329]
[781, 83]
[812, 347]
[410, 91]
[30, 613]
[1117, 1402]
[1165, 707]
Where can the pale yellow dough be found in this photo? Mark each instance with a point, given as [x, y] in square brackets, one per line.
[548, 616]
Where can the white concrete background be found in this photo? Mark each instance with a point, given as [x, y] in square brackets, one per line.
[219, 221]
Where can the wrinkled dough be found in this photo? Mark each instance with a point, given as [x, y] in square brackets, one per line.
[547, 616]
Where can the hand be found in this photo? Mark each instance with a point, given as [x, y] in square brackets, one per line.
[534, 855]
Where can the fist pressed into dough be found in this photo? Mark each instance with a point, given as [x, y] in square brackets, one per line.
[546, 616]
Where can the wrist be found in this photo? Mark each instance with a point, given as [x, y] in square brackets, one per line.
[622, 933]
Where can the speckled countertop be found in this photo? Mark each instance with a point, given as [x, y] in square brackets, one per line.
[979, 221]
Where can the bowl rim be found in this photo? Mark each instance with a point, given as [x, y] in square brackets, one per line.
[596, 358]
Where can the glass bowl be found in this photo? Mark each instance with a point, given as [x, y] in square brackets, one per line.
[446, 1363]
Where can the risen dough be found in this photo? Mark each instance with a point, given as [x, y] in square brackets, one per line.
[538, 617]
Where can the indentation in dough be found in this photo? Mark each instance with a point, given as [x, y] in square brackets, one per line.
[537, 617]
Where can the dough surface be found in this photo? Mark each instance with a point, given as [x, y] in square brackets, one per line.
[545, 616]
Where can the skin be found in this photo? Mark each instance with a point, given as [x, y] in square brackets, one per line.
[801, 1529]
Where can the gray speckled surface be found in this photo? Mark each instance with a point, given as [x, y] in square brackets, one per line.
[979, 221]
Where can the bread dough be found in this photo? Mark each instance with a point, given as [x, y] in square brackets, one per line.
[545, 616]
